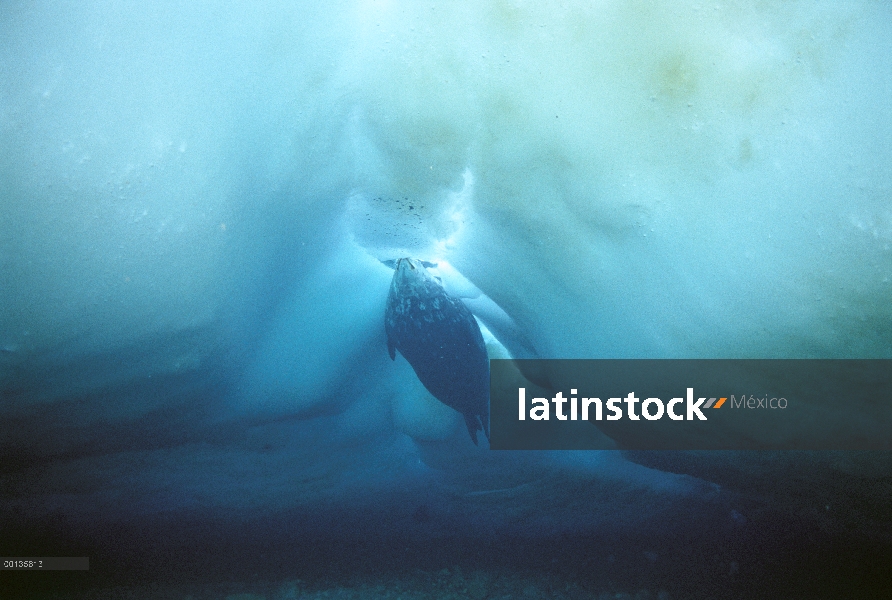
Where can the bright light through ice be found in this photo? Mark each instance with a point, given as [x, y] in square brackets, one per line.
[455, 217]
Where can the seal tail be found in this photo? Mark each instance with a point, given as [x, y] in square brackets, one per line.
[473, 425]
[476, 423]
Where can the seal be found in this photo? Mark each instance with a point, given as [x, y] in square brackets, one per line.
[440, 338]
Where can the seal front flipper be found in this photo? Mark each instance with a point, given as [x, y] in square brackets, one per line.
[391, 348]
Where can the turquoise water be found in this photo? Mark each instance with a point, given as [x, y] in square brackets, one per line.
[197, 203]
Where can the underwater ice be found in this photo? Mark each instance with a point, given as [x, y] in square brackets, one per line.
[197, 203]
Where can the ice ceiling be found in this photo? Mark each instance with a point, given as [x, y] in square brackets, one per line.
[196, 201]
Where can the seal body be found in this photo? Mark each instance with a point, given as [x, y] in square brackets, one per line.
[440, 338]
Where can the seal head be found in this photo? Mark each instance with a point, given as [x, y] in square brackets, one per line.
[440, 338]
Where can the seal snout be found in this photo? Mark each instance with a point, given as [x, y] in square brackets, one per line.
[407, 260]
